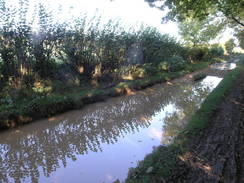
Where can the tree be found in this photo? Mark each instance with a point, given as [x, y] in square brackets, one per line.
[240, 36]
[200, 32]
[233, 10]
[229, 46]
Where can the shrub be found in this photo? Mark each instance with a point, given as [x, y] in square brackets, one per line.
[138, 72]
[163, 66]
[229, 46]
[142, 71]
[198, 53]
[28, 80]
[216, 51]
[48, 105]
[157, 46]
[176, 63]
[150, 69]
[240, 37]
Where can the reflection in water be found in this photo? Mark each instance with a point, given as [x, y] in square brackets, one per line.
[224, 66]
[186, 106]
[100, 142]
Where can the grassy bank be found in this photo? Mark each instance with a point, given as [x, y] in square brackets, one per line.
[160, 164]
[30, 109]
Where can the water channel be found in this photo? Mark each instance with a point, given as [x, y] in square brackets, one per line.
[100, 142]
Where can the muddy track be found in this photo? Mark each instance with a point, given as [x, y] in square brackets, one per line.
[217, 154]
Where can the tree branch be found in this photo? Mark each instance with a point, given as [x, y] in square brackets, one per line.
[237, 21]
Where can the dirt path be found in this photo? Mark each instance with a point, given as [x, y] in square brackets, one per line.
[217, 154]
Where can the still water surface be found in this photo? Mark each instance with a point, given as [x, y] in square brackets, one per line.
[223, 66]
[100, 142]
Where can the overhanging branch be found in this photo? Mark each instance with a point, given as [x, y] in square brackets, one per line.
[237, 21]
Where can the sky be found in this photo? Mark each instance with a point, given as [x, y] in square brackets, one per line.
[131, 12]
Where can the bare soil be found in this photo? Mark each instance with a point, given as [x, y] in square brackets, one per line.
[216, 155]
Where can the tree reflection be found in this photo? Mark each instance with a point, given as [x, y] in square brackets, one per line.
[186, 103]
[43, 147]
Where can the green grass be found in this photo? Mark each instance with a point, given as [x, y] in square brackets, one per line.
[163, 160]
[203, 115]
[197, 66]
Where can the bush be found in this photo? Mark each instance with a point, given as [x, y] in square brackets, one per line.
[163, 66]
[142, 71]
[229, 46]
[28, 80]
[150, 69]
[203, 53]
[240, 37]
[138, 72]
[198, 53]
[176, 63]
[49, 105]
[216, 51]
[157, 46]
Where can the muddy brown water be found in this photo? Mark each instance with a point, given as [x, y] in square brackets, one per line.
[102, 141]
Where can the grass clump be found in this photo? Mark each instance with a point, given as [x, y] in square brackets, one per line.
[161, 160]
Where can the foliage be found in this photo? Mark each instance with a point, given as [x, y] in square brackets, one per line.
[229, 46]
[176, 63]
[196, 32]
[240, 37]
[158, 47]
[163, 66]
[204, 53]
[71, 52]
[233, 10]
[143, 71]
[216, 51]
[61, 58]
[197, 54]
[197, 66]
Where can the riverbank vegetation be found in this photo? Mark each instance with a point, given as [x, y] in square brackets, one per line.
[52, 68]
